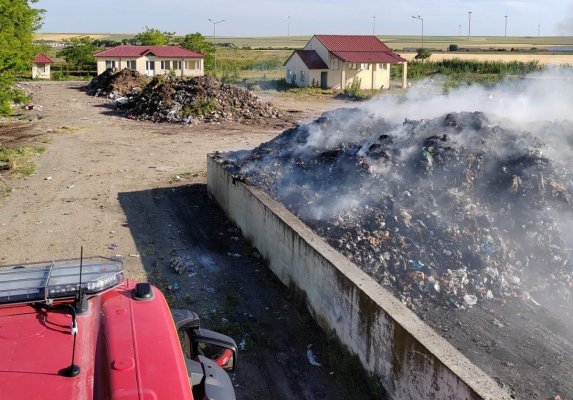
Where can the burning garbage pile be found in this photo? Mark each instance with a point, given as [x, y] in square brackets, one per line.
[455, 210]
[203, 98]
[126, 83]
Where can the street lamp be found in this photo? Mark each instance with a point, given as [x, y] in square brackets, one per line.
[460, 30]
[421, 19]
[214, 37]
[469, 24]
[373, 24]
[505, 26]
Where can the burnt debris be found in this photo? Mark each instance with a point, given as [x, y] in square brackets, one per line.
[455, 210]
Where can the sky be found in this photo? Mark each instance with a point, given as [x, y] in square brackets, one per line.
[307, 17]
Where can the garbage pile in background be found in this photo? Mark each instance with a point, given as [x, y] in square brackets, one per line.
[126, 83]
[456, 210]
[203, 98]
[181, 100]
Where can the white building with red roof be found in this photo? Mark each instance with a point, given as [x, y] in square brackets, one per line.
[152, 60]
[41, 66]
[336, 61]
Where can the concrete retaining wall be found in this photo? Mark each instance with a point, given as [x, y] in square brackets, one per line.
[412, 360]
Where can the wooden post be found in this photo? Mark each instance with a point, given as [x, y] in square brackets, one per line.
[404, 75]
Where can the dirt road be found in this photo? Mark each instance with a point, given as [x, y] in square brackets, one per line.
[116, 186]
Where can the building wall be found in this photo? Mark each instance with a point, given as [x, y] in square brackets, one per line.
[140, 65]
[376, 77]
[40, 71]
[296, 68]
[411, 360]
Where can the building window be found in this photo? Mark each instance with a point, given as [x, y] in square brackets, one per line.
[150, 65]
[352, 66]
[382, 66]
[177, 65]
[131, 64]
[109, 64]
[302, 76]
[334, 63]
[166, 65]
[191, 65]
[365, 66]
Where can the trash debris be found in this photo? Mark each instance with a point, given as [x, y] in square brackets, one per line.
[113, 246]
[234, 255]
[180, 265]
[452, 210]
[198, 99]
[311, 357]
[174, 286]
[124, 84]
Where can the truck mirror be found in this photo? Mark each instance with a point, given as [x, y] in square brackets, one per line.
[215, 346]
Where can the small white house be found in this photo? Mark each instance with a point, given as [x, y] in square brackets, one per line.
[152, 60]
[41, 66]
[337, 61]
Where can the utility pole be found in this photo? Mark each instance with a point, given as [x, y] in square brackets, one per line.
[373, 25]
[538, 29]
[505, 26]
[214, 37]
[421, 19]
[460, 30]
[288, 26]
[469, 24]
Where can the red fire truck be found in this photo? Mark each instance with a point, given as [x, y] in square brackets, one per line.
[76, 329]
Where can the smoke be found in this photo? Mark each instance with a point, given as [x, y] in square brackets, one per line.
[476, 183]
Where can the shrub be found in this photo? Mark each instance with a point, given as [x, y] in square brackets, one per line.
[422, 54]
[353, 89]
[201, 107]
[453, 47]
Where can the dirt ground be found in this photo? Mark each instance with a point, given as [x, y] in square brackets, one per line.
[117, 186]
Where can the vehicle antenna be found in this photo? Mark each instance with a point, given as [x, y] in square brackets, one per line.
[73, 369]
[81, 301]
[79, 304]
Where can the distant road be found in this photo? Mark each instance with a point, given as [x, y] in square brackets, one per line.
[545, 59]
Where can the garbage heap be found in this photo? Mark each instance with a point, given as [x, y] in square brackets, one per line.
[125, 83]
[456, 210]
[204, 98]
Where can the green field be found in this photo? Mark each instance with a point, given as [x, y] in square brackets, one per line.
[395, 42]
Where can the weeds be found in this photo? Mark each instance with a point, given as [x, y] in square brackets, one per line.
[19, 160]
[201, 107]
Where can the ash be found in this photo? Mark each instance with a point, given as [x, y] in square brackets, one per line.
[456, 210]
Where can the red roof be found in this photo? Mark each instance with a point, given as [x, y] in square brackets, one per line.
[140, 51]
[41, 58]
[369, 56]
[311, 59]
[359, 48]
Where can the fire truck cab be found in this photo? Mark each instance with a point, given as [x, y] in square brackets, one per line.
[72, 330]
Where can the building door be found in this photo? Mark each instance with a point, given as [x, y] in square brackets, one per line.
[324, 80]
[150, 68]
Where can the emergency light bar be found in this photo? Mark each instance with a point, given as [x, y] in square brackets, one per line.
[60, 279]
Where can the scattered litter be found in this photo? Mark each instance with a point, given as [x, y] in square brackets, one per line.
[134, 255]
[242, 344]
[113, 246]
[470, 300]
[174, 286]
[311, 357]
[180, 265]
[210, 290]
[234, 254]
[48, 178]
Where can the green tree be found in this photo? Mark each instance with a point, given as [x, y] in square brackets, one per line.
[153, 37]
[422, 54]
[79, 51]
[18, 20]
[197, 42]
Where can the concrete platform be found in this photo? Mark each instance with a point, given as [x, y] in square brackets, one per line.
[411, 359]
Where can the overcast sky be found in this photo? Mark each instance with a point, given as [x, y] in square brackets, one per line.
[307, 17]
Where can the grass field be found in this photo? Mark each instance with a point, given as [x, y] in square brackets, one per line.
[395, 42]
